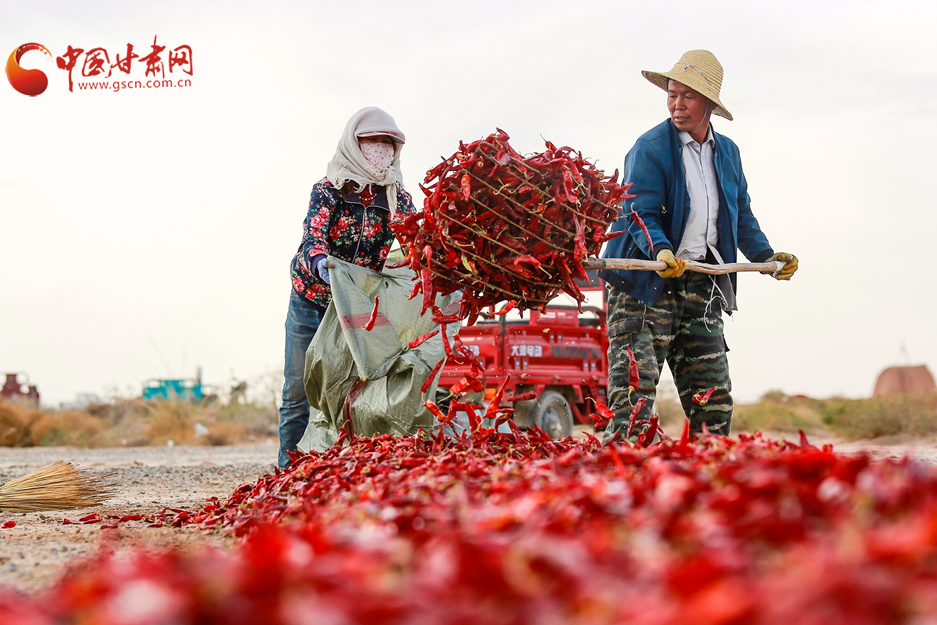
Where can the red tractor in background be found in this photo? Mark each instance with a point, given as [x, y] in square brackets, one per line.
[560, 354]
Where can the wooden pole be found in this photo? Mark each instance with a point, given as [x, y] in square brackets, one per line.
[692, 265]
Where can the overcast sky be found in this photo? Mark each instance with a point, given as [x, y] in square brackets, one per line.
[149, 231]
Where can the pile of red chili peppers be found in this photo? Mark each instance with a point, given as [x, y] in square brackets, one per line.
[517, 528]
[505, 227]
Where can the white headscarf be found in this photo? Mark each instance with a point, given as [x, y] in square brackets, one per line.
[350, 164]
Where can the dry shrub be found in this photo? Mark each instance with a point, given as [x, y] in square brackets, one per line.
[776, 412]
[120, 410]
[17, 424]
[259, 421]
[223, 433]
[72, 428]
[171, 421]
[136, 422]
[24, 427]
[236, 423]
[903, 416]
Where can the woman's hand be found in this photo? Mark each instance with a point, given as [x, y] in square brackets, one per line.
[323, 271]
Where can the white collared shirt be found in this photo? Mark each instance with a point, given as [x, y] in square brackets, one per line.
[703, 188]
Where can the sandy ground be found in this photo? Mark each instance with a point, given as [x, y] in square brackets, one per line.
[37, 551]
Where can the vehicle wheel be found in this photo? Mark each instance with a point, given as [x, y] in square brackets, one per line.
[554, 415]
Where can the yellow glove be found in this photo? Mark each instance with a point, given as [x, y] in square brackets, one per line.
[790, 265]
[675, 266]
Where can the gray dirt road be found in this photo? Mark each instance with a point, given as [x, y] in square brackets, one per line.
[36, 551]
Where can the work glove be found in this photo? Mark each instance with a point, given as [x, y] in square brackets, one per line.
[790, 265]
[675, 266]
[323, 271]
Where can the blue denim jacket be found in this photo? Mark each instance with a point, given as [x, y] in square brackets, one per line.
[655, 167]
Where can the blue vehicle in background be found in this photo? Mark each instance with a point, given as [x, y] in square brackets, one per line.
[187, 389]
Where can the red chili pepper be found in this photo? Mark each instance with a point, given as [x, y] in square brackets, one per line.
[8, 524]
[433, 408]
[422, 339]
[634, 377]
[432, 375]
[469, 355]
[602, 417]
[604, 410]
[403, 263]
[370, 324]
[428, 292]
[579, 240]
[495, 402]
[473, 420]
[645, 439]
[417, 288]
[528, 259]
[459, 386]
[525, 396]
[702, 398]
[438, 317]
[465, 383]
[637, 219]
[504, 417]
[507, 308]
[600, 237]
[466, 186]
[803, 439]
[445, 341]
[632, 419]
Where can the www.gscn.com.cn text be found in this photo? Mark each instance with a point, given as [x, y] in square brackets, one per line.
[120, 85]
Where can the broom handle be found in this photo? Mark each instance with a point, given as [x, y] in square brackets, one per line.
[691, 265]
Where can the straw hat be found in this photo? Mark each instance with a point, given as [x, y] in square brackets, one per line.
[699, 70]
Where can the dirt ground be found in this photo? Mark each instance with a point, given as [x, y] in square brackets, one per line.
[37, 551]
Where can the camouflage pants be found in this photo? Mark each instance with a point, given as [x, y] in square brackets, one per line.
[683, 328]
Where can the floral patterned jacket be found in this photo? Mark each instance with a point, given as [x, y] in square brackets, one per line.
[350, 226]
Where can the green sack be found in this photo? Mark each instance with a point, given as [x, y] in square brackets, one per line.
[376, 367]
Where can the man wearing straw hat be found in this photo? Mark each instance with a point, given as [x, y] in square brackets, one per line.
[692, 196]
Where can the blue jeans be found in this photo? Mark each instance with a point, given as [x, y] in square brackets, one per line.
[302, 321]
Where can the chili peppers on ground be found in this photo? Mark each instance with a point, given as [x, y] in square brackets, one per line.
[496, 527]
[505, 227]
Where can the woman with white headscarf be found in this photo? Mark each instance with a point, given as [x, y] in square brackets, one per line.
[348, 218]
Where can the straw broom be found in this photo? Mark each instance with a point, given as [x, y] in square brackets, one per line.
[58, 486]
